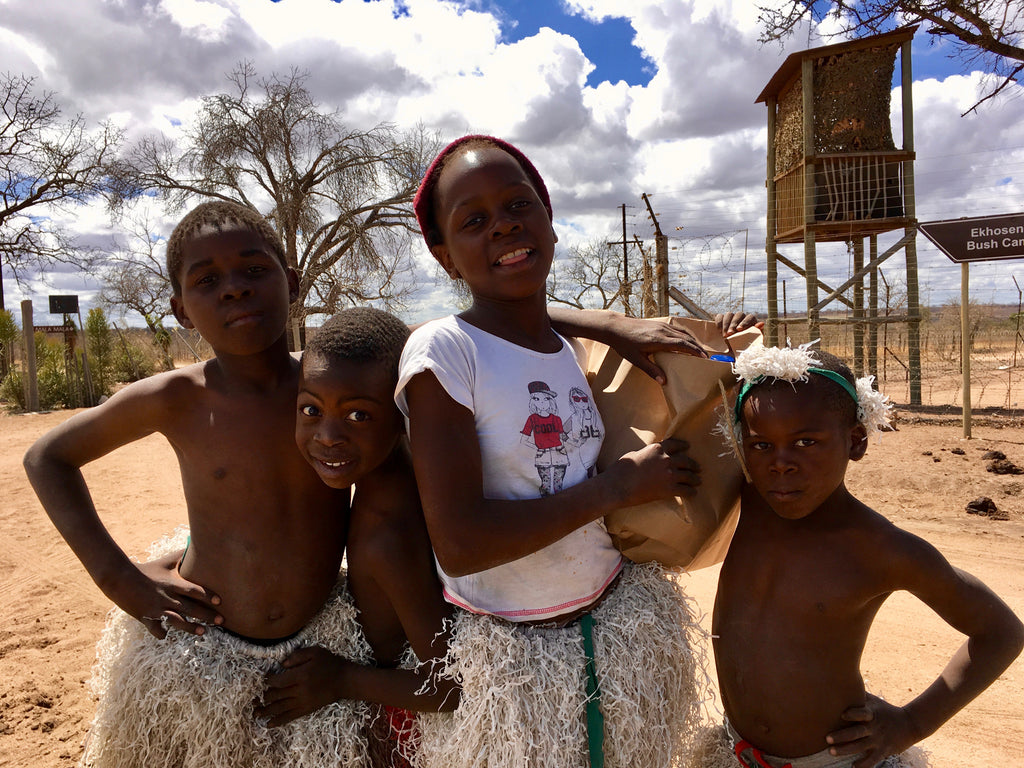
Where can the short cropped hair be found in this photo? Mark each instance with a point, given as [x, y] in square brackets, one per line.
[219, 214]
[425, 204]
[362, 335]
[836, 398]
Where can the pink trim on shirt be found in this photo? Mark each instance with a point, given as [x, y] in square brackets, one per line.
[527, 614]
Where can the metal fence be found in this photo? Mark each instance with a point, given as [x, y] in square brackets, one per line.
[996, 357]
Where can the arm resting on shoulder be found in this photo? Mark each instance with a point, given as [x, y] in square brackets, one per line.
[637, 339]
[634, 338]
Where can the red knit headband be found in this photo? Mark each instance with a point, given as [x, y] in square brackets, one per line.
[423, 203]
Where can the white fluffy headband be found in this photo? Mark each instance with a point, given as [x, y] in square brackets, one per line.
[793, 364]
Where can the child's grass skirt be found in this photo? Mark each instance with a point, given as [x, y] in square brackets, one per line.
[187, 701]
[523, 687]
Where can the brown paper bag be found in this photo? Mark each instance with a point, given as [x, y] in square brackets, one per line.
[695, 532]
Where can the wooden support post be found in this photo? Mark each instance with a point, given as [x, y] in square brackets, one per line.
[90, 392]
[811, 270]
[660, 258]
[661, 273]
[910, 209]
[31, 382]
[771, 329]
[873, 309]
[965, 343]
[810, 256]
[858, 308]
[624, 285]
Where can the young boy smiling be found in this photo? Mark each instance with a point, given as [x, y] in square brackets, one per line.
[807, 570]
[352, 434]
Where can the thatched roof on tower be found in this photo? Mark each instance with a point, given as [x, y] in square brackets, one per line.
[851, 97]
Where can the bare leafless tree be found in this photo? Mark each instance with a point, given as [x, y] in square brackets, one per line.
[134, 277]
[46, 162]
[389, 279]
[331, 192]
[590, 276]
[984, 34]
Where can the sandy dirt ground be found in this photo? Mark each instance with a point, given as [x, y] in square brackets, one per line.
[922, 477]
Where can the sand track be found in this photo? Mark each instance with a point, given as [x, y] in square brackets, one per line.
[51, 613]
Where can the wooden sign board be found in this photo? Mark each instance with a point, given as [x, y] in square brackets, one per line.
[66, 304]
[981, 238]
[55, 328]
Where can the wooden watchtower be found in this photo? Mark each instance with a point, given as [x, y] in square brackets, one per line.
[835, 175]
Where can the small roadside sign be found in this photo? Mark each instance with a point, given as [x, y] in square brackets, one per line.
[56, 328]
[980, 238]
[64, 304]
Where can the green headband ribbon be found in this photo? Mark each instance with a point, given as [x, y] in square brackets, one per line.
[838, 378]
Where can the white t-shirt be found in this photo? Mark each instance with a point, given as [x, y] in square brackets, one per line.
[539, 432]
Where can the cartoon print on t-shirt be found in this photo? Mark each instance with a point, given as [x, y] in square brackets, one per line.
[582, 425]
[546, 430]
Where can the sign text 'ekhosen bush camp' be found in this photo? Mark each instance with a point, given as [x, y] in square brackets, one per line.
[981, 238]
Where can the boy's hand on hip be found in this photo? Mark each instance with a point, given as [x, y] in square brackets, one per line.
[878, 729]
[167, 600]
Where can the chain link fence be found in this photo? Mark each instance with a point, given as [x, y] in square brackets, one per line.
[996, 356]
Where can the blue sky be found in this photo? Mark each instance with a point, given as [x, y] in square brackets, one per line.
[608, 43]
[610, 98]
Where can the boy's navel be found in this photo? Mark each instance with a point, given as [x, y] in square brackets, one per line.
[220, 473]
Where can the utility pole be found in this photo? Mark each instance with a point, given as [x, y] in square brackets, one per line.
[649, 307]
[626, 288]
[660, 260]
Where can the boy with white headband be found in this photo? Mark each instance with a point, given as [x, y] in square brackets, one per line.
[807, 570]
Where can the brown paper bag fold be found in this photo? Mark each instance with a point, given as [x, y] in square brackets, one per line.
[692, 532]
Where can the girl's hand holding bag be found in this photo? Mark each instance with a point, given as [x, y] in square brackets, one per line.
[690, 533]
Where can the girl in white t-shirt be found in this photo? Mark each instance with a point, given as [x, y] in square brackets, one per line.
[567, 655]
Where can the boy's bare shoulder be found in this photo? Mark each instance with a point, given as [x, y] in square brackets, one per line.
[880, 528]
[392, 494]
[387, 506]
[903, 557]
[156, 393]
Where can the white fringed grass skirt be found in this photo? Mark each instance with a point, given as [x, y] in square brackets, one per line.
[187, 701]
[523, 687]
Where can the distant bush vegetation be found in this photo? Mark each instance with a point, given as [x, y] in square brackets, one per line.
[114, 357]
